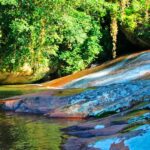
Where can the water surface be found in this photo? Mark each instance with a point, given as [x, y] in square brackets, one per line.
[29, 132]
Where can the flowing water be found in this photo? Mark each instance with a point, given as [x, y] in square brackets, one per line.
[24, 132]
[131, 68]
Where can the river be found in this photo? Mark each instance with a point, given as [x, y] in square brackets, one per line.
[29, 132]
[83, 94]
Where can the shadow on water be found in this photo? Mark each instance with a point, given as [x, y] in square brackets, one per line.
[15, 90]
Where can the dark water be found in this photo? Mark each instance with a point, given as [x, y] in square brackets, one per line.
[14, 90]
[29, 132]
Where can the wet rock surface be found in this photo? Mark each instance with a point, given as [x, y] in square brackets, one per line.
[131, 68]
[25, 74]
[97, 101]
[115, 100]
[118, 132]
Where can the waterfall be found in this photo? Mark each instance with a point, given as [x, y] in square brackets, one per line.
[131, 68]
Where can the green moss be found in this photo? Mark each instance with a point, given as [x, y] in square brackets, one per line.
[69, 92]
[137, 112]
[105, 114]
[131, 127]
[141, 104]
[130, 115]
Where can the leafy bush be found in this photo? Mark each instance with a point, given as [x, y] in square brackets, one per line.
[136, 20]
[42, 32]
[64, 36]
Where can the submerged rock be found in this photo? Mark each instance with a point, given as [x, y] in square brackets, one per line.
[25, 74]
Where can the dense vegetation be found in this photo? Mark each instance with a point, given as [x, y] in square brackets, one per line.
[40, 37]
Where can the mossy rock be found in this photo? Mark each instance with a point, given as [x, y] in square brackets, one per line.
[25, 74]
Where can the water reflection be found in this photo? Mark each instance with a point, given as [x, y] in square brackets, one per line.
[29, 132]
[14, 90]
[23, 132]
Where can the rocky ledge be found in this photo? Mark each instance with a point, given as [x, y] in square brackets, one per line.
[119, 114]
[115, 100]
[90, 102]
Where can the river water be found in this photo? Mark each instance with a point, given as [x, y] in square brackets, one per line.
[132, 67]
[29, 132]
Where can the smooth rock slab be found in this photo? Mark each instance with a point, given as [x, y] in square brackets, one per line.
[91, 102]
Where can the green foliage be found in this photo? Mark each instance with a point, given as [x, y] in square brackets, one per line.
[65, 36]
[80, 44]
[136, 19]
[42, 32]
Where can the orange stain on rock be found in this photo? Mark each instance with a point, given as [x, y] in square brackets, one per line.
[64, 80]
[9, 101]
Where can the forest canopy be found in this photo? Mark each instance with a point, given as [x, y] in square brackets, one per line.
[40, 37]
